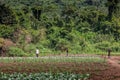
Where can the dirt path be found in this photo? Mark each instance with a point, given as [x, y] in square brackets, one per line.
[114, 61]
[111, 71]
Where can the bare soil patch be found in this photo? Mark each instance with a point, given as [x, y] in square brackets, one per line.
[112, 71]
[114, 61]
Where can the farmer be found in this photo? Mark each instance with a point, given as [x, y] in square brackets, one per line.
[37, 52]
[66, 51]
[109, 51]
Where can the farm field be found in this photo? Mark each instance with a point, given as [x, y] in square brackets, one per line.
[91, 68]
[59, 39]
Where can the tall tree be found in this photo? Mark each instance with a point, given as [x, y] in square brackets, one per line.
[113, 8]
[7, 16]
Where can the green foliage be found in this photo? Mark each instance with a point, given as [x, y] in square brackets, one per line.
[101, 37]
[115, 47]
[35, 35]
[51, 59]
[30, 49]
[54, 25]
[113, 8]
[43, 76]
[7, 15]
[6, 31]
[104, 46]
[1, 42]
[14, 51]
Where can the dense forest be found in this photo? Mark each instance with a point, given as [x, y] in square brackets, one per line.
[81, 26]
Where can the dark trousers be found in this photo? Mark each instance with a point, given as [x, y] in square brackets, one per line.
[37, 55]
[109, 55]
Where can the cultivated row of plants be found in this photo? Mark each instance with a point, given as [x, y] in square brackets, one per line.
[52, 59]
[49, 64]
[50, 68]
[43, 76]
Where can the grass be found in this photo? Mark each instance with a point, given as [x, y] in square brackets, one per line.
[115, 54]
[105, 53]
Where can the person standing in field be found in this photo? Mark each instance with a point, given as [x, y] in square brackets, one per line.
[109, 53]
[37, 52]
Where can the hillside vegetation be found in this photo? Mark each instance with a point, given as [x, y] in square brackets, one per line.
[81, 26]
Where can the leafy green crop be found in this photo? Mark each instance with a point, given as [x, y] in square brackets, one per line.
[51, 59]
[43, 76]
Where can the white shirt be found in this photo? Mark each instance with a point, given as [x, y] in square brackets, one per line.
[37, 51]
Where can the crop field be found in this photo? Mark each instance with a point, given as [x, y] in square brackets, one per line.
[57, 68]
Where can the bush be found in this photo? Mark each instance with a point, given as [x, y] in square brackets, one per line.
[6, 31]
[1, 42]
[75, 48]
[14, 51]
[102, 37]
[44, 49]
[115, 47]
[30, 49]
[103, 45]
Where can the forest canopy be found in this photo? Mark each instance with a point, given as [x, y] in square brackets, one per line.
[81, 26]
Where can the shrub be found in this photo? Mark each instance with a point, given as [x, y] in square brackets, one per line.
[115, 47]
[14, 51]
[6, 31]
[102, 37]
[1, 42]
[43, 49]
[103, 45]
[30, 49]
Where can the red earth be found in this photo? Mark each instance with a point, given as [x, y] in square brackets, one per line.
[109, 70]
[112, 71]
